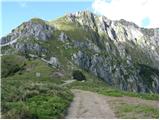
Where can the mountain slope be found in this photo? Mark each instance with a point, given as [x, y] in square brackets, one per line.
[119, 52]
[30, 89]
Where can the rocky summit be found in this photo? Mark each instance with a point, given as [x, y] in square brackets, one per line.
[119, 52]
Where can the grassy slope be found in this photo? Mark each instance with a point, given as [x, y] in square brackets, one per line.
[26, 96]
[23, 94]
[71, 29]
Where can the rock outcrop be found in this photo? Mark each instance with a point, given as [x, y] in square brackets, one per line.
[36, 28]
[129, 48]
[119, 52]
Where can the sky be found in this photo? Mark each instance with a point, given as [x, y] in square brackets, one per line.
[14, 13]
[142, 12]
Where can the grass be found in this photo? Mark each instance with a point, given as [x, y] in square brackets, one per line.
[71, 29]
[38, 20]
[12, 64]
[122, 110]
[35, 100]
[29, 73]
[47, 106]
[24, 95]
[125, 111]
[8, 50]
[102, 88]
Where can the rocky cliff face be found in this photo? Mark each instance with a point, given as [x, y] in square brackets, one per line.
[119, 52]
[121, 34]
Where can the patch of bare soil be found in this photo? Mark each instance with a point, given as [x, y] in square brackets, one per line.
[89, 105]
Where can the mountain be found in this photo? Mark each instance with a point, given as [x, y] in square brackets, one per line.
[119, 52]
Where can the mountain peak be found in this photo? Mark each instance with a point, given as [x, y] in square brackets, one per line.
[81, 13]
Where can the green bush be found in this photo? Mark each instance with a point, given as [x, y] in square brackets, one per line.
[11, 64]
[15, 110]
[78, 75]
[47, 106]
[28, 99]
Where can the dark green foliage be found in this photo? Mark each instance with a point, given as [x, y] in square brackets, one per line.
[138, 55]
[147, 74]
[8, 49]
[146, 71]
[78, 75]
[47, 106]
[12, 64]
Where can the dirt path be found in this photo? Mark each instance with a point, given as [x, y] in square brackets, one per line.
[89, 105]
[66, 82]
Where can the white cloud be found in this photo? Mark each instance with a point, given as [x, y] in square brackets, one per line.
[131, 10]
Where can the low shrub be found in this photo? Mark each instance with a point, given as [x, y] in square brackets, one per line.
[35, 100]
[78, 75]
[11, 64]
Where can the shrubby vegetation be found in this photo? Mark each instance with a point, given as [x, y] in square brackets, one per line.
[24, 95]
[35, 100]
[12, 64]
[78, 75]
